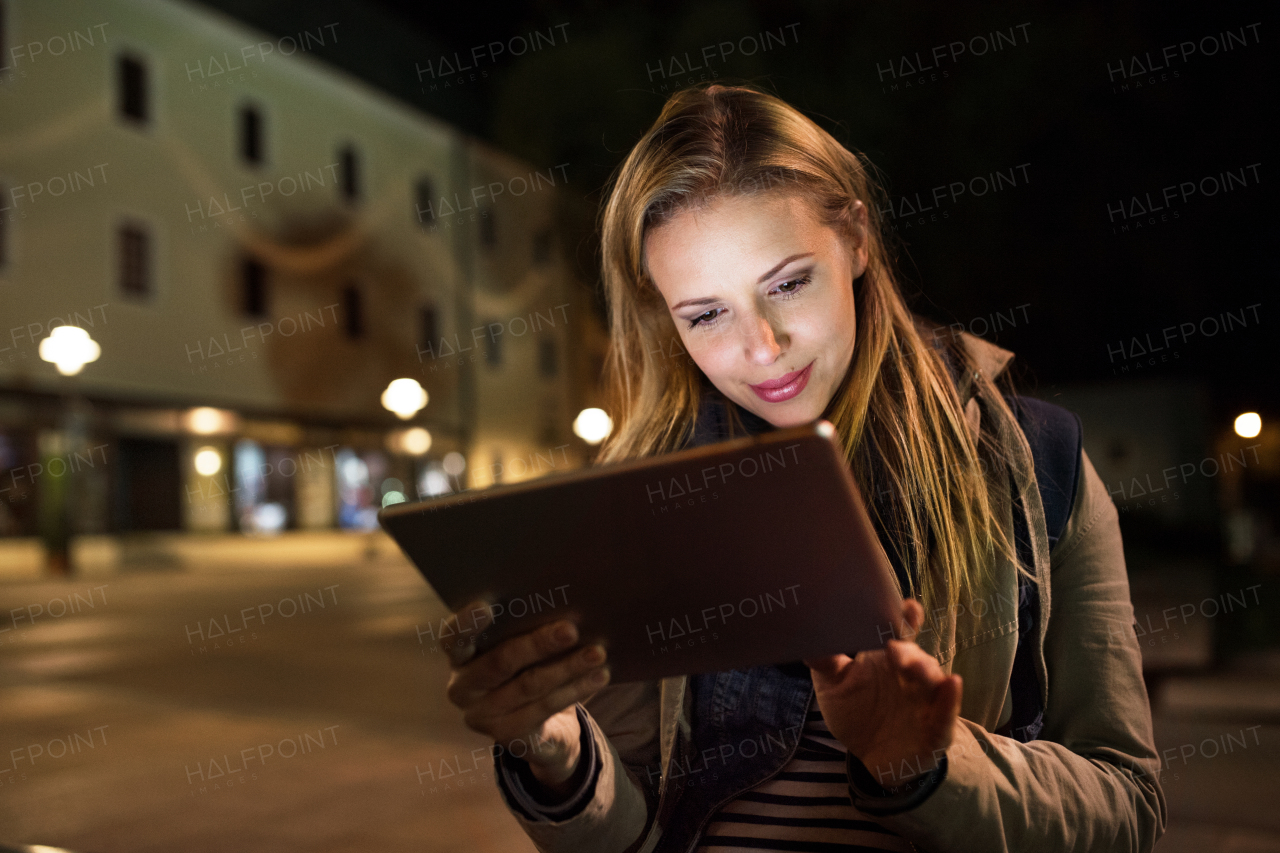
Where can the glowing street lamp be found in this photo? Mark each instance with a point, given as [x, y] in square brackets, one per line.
[404, 397]
[69, 348]
[416, 441]
[592, 425]
[1248, 425]
[208, 461]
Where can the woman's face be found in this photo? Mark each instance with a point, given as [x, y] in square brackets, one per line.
[762, 293]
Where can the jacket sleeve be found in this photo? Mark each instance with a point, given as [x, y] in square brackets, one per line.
[623, 724]
[1091, 783]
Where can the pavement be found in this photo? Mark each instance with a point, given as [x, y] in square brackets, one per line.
[296, 708]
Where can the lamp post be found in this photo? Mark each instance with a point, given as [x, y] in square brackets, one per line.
[404, 398]
[69, 348]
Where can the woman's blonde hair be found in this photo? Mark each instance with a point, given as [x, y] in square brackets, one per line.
[897, 413]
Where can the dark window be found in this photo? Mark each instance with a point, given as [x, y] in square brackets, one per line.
[542, 246]
[133, 90]
[550, 432]
[425, 209]
[254, 277]
[547, 356]
[352, 311]
[427, 329]
[148, 483]
[488, 228]
[492, 345]
[349, 180]
[135, 261]
[251, 134]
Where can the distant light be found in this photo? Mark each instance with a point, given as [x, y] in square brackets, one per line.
[592, 425]
[208, 461]
[268, 518]
[204, 420]
[391, 484]
[435, 482]
[454, 463]
[1248, 425]
[416, 440]
[392, 498]
[69, 348]
[404, 397]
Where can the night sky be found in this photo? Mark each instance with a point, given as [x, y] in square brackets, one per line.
[1180, 157]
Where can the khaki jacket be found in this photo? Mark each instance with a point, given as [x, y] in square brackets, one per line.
[1090, 783]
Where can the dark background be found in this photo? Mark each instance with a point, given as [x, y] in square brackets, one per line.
[1049, 101]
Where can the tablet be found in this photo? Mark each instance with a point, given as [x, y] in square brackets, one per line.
[749, 552]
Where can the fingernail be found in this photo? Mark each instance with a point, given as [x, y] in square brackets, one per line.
[600, 676]
[593, 654]
[567, 633]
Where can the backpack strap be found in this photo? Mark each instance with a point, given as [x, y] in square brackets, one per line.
[1055, 436]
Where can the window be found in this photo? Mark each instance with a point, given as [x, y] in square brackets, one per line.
[352, 312]
[135, 261]
[492, 347]
[425, 208]
[133, 90]
[349, 178]
[547, 356]
[542, 247]
[253, 276]
[251, 134]
[428, 329]
[488, 228]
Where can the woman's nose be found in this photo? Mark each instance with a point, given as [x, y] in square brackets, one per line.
[762, 341]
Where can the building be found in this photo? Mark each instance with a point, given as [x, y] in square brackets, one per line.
[260, 244]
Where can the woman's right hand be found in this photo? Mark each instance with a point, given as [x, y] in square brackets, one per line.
[524, 690]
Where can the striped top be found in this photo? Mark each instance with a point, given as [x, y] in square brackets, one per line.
[805, 807]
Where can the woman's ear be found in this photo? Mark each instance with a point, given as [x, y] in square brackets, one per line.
[858, 248]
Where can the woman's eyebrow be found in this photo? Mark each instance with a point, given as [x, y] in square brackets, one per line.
[782, 264]
[704, 300]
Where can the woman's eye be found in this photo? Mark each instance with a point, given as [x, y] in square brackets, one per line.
[794, 286]
[705, 318]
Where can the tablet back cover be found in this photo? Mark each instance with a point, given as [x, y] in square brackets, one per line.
[749, 552]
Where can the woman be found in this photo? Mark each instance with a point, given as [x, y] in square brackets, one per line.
[749, 289]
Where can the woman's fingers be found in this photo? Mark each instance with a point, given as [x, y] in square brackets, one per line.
[500, 664]
[537, 682]
[470, 620]
[530, 717]
[919, 673]
[913, 617]
[827, 669]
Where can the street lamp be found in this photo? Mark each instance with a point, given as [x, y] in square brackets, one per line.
[404, 397]
[70, 348]
[592, 425]
[1248, 425]
[208, 461]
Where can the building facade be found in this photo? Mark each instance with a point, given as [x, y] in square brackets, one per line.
[260, 244]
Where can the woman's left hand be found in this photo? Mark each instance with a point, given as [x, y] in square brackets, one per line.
[893, 708]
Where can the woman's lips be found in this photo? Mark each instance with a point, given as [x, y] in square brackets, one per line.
[784, 388]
